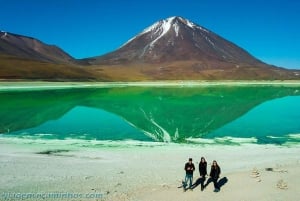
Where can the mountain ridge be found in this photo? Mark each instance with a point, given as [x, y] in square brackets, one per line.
[32, 48]
[170, 49]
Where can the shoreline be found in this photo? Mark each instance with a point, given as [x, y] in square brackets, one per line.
[30, 85]
[148, 172]
[293, 140]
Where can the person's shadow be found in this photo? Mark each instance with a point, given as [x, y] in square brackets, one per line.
[221, 182]
[199, 181]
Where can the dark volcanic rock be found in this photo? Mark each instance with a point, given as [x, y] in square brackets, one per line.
[31, 48]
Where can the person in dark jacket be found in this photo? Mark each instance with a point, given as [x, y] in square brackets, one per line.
[189, 170]
[202, 171]
[215, 174]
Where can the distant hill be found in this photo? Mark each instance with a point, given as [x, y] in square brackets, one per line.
[23, 57]
[31, 48]
[17, 68]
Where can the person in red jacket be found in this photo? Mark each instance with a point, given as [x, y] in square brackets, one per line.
[189, 170]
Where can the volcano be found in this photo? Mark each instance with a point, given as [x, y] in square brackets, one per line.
[176, 48]
[177, 39]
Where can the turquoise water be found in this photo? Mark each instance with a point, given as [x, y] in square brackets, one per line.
[270, 122]
[86, 123]
[202, 114]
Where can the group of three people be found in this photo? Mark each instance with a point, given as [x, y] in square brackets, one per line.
[214, 175]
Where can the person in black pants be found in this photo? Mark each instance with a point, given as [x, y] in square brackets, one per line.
[189, 170]
[215, 174]
[202, 171]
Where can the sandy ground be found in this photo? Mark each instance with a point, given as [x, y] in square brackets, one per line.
[145, 173]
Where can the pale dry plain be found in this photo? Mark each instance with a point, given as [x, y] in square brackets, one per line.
[144, 171]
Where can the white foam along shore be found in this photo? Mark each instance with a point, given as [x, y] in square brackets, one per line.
[40, 85]
[147, 172]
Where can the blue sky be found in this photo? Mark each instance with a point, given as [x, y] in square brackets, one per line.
[269, 30]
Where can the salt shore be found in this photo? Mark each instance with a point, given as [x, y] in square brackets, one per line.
[42, 85]
[150, 172]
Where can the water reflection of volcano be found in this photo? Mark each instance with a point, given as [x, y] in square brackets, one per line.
[165, 114]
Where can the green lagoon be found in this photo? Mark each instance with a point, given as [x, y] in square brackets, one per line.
[177, 114]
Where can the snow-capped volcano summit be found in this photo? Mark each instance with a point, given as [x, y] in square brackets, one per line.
[177, 39]
[160, 28]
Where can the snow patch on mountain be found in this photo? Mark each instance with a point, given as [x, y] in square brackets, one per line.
[162, 24]
[176, 29]
[162, 29]
[206, 38]
[201, 28]
[129, 41]
[4, 35]
[190, 24]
